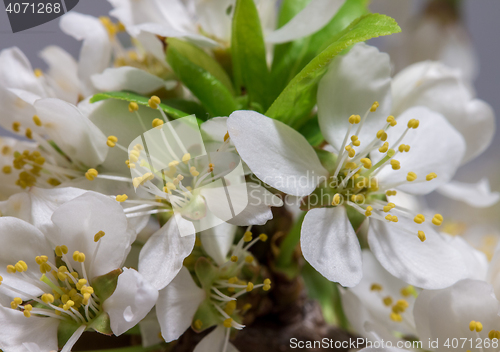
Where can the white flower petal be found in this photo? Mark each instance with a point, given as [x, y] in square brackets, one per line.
[478, 194]
[275, 152]
[95, 54]
[475, 261]
[21, 241]
[16, 72]
[77, 221]
[17, 107]
[218, 240]
[132, 300]
[311, 19]
[127, 78]
[150, 330]
[214, 19]
[13, 334]
[215, 341]
[329, 244]
[162, 256]
[442, 89]
[436, 146]
[431, 264]
[177, 304]
[350, 87]
[76, 135]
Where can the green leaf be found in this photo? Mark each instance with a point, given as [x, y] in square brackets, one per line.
[215, 96]
[139, 99]
[327, 159]
[207, 314]
[65, 330]
[102, 324]
[290, 58]
[248, 51]
[326, 293]
[188, 106]
[206, 273]
[105, 285]
[299, 97]
[312, 132]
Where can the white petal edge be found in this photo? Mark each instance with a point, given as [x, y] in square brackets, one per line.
[127, 78]
[478, 194]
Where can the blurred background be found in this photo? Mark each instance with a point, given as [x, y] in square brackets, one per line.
[473, 24]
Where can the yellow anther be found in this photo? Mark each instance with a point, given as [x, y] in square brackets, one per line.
[267, 285]
[387, 301]
[60, 250]
[47, 298]
[419, 218]
[38, 73]
[437, 219]
[29, 133]
[396, 317]
[376, 287]
[475, 325]
[396, 165]
[413, 123]
[45, 268]
[354, 119]
[157, 123]
[134, 155]
[355, 141]
[171, 186]
[234, 258]
[7, 169]
[232, 280]
[249, 259]
[98, 236]
[336, 199]
[249, 287]
[111, 142]
[350, 165]
[230, 307]
[263, 237]
[21, 266]
[41, 259]
[247, 237]
[154, 102]
[193, 171]
[186, 157]
[368, 211]
[226, 136]
[411, 176]
[392, 218]
[121, 198]
[494, 334]
[198, 324]
[37, 120]
[246, 307]
[78, 257]
[389, 207]
[61, 276]
[374, 106]
[407, 291]
[175, 162]
[391, 193]
[384, 148]
[367, 163]
[359, 198]
[350, 151]
[431, 176]
[391, 121]
[16, 126]
[91, 174]
[404, 148]
[228, 322]
[421, 236]
[402, 303]
[69, 303]
[81, 283]
[133, 106]
[382, 135]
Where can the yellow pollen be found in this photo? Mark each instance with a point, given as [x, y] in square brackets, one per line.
[396, 317]
[226, 136]
[421, 236]
[28, 133]
[430, 176]
[154, 102]
[193, 171]
[336, 199]
[374, 106]
[78, 257]
[7, 169]
[355, 141]
[389, 207]
[494, 334]
[38, 73]
[354, 119]
[198, 324]
[16, 126]
[391, 193]
[376, 287]
[404, 148]
[368, 211]
[267, 285]
[111, 142]
[263, 237]
[351, 152]
[186, 157]
[249, 259]
[247, 237]
[367, 163]
[357, 198]
[396, 165]
[382, 135]
[133, 106]
[37, 120]
[419, 218]
[47, 298]
[350, 165]
[475, 325]
[437, 219]
[41, 259]
[413, 124]
[91, 174]
[392, 218]
[234, 258]
[98, 236]
[384, 148]
[227, 323]
[60, 250]
[249, 287]
[387, 301]
[121, 198]
[391, 121]
[411, 176]
[157, 123]
[21, 266]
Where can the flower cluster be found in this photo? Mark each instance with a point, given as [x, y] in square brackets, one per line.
[142, 191]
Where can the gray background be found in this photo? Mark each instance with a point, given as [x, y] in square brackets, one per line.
[481, 19]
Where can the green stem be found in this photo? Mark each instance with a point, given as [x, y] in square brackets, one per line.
[289, 244]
